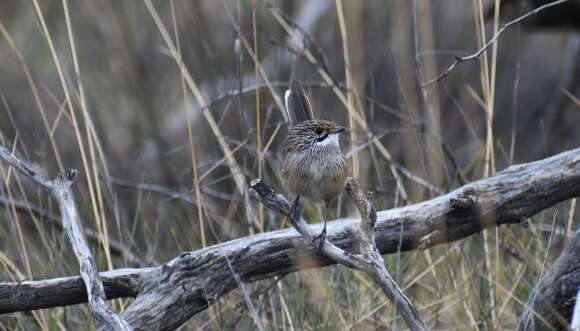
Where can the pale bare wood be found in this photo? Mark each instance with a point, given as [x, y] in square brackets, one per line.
[169, 295]
[60, 189]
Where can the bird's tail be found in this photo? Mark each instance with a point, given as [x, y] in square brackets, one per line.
[298, 106]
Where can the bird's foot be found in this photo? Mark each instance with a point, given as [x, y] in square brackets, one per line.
[321, 238]
[295, 209]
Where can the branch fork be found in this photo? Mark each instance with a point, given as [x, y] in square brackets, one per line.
[199, 277]
[60, 189]
[369, 260]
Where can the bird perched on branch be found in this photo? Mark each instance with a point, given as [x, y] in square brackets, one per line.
[314, 167]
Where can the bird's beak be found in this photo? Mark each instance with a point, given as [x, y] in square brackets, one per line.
[337, 129]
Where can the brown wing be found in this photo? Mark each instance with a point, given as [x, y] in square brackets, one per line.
[297, 104]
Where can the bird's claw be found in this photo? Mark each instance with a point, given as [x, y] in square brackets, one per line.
[295, 209]
[321, 238]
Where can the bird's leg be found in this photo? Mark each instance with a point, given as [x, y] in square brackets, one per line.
[322, 236]
[295, 209]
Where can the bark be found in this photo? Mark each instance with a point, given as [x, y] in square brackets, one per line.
[60, 189]
[551, 303]
[367, 259]
[169, 295]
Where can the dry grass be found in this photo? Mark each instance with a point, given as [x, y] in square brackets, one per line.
[181, 102]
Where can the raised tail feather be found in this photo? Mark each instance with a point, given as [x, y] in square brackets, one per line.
[297, 104]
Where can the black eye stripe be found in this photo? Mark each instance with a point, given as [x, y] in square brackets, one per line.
[321, 138]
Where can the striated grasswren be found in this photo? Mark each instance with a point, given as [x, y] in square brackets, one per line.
[314, 167]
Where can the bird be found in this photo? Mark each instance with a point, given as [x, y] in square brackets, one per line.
[313, 165]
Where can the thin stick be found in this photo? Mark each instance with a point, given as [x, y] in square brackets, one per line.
[203, 105]
[60, 189]
[368, 261]
[349, 87]
[189, 119]
[258, 113]
[476, 55]
[98, 204]
[201, 277]
[74, 120]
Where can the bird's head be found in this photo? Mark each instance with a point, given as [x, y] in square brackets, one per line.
[314, 133]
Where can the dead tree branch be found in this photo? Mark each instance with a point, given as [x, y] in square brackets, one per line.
[375, 267]
[476, 55]
[65, 291]
[60, 189]
[169, 295]
[551, 303]
[368, 261]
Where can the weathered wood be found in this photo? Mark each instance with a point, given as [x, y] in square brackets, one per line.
[375, 267]
[29, 295]
[170, 294]
[551, 303]
[60, 189]
[367, 259]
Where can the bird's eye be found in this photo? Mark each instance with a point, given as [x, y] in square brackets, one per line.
[318, 131]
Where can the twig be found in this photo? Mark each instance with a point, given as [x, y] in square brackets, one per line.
[280, 204]
[376, 268]
[368, 261]
[60, 189]
[195, 280]
[423, 102]
[476, 55]
[116, 247]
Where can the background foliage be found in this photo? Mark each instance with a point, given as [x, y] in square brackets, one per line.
[99, 86]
